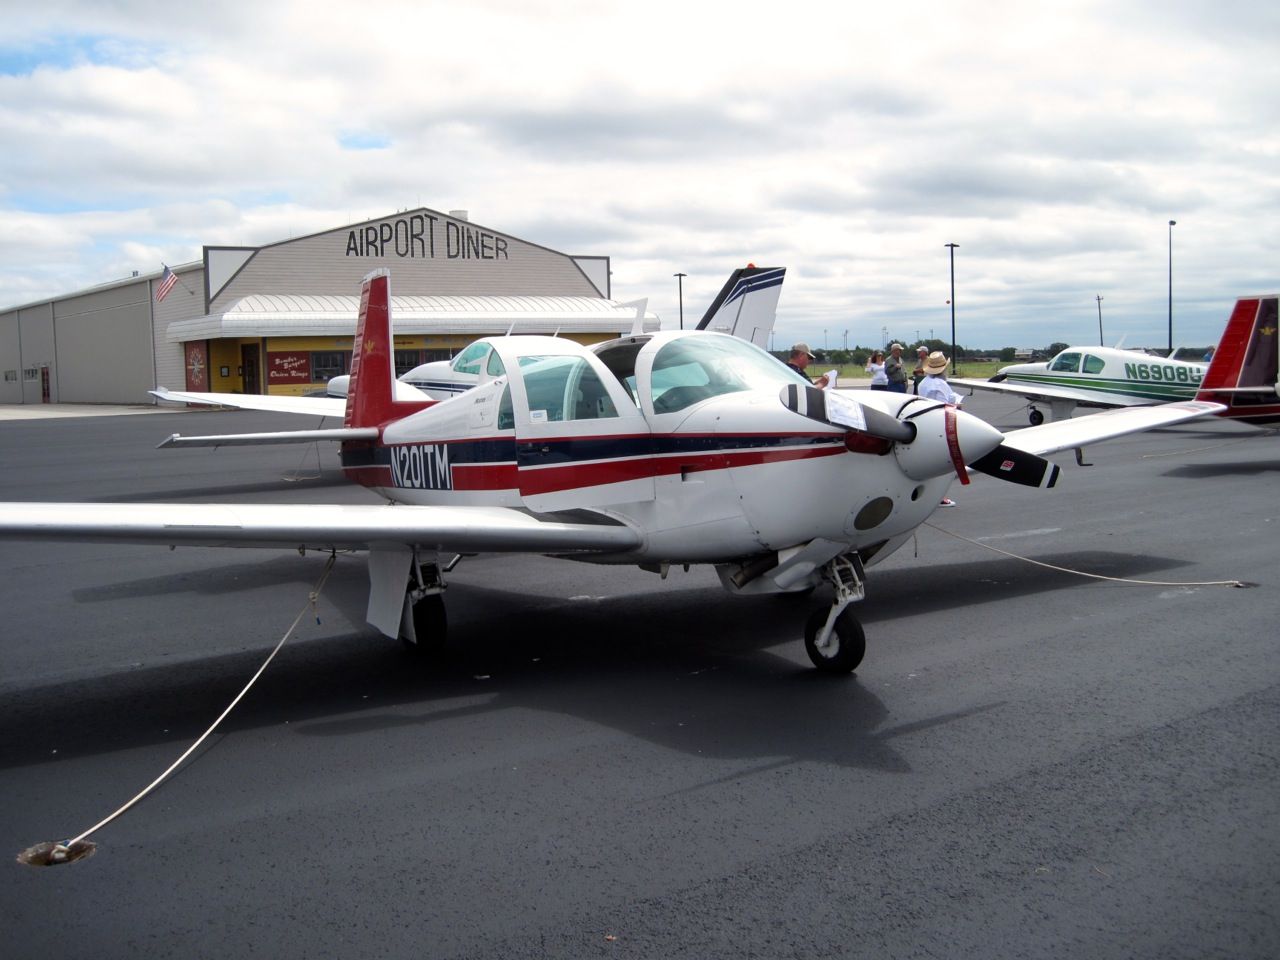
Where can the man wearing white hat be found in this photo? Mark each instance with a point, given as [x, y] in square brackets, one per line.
[800, 357]
[934, 386]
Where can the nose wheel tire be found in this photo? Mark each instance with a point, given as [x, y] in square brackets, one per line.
[845, 647]
[1036, 417]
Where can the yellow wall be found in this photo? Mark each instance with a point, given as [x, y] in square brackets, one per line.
[226, 353]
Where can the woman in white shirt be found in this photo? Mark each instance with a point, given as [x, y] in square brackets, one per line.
[875, 367]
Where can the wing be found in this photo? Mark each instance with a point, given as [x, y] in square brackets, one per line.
[1047, 394]
[305, 406]
[1078, 431]
[321, 526]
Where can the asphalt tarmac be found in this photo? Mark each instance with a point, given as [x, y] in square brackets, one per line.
[1027, 764]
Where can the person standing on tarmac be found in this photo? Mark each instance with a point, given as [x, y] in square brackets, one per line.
[922, 354]
[895, 370]
[800, 357]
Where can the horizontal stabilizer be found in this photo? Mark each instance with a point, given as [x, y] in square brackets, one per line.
[283, 436]
[305, 406]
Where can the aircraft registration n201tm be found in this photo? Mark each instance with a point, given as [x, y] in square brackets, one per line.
[674, 447]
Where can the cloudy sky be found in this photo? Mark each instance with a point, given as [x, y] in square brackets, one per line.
[849, 143]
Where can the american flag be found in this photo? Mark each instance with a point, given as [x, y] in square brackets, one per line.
[167, 280]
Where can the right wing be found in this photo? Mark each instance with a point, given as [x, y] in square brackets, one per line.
[321, 526]
[1047, 394]
[1078, 431]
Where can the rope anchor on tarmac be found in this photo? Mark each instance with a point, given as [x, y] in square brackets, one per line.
[53, 853]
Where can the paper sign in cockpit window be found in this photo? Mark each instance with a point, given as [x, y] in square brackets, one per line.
[537, 416]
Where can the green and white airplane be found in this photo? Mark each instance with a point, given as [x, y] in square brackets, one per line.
[1094, 377]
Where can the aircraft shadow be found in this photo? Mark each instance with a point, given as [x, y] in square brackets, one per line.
[1205, 471]
[205, 492]
[630, 662]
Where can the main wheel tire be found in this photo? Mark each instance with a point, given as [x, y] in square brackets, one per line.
[431, 624]
[846, 647]
[1036, 417]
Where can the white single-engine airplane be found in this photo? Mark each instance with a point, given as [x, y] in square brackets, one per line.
[677, 447]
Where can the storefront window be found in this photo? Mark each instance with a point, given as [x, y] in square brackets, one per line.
[327, 364]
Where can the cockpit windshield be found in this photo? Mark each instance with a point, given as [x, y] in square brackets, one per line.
[692, 369]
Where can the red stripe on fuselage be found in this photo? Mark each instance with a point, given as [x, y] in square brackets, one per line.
[538, 480]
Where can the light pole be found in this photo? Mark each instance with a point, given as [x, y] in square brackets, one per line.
[1099, 299]
[954, 359]
[680, 283]
[846, 341]
[1172, 224]
[824, 339]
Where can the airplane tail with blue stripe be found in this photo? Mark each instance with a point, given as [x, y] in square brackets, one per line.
[747, 305]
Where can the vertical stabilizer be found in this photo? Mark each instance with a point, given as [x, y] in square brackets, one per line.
[747, 304]
[1244, 371]
[370, 392]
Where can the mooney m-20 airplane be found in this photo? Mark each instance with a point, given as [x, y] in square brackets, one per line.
[677, 447]
[1242, 374]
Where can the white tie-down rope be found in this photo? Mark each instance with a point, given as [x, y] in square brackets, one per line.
[77, 848]
[1096, 576]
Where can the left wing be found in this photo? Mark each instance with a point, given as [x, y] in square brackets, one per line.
[321, 526]
[1076, 432]
[307, 406]
[1047, 394]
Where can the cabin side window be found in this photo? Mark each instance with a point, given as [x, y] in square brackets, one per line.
[1093, 364]
[1066, 363]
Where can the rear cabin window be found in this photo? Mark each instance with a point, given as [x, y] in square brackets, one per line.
[1093, 364]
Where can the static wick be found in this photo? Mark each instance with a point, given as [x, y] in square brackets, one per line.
[54, 853]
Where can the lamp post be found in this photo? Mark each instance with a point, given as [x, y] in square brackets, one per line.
[954, 359]
[1172, 224]
[1099, 299]
[680, 283]
[846, 341]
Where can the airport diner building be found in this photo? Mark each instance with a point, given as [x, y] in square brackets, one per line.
[280, 318]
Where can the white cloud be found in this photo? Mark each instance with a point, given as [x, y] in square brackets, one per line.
[849, 144]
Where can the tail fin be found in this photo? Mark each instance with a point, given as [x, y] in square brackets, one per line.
[1243, 372]
[747, 305]
[370, 392]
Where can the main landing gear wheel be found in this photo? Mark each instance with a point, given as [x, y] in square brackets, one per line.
[845, 646]
[431, 625]
[1036, 417]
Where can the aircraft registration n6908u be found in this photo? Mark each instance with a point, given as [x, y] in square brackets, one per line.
[677, 447]
[1094, 377]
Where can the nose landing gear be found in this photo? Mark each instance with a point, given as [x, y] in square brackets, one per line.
[834, 639]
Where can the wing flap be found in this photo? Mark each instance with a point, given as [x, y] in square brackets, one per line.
[324, 526]
[1078, 431]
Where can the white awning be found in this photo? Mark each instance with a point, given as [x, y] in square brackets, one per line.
[302, 315]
